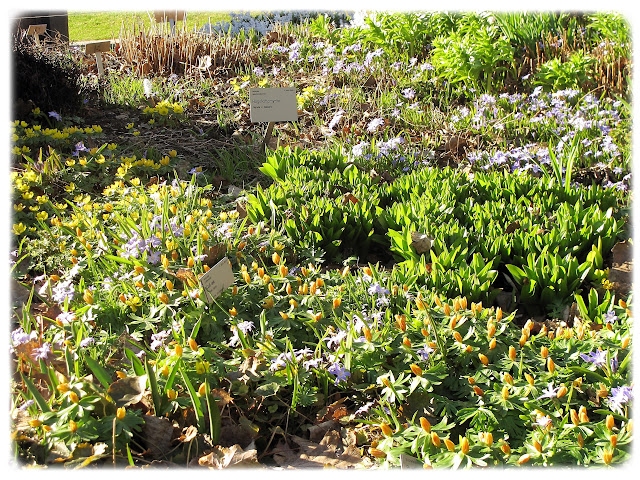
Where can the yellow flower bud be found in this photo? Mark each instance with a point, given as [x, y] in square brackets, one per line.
[491, 330]
[172, 394]
[447, 309]
[478, 390]
[524, 458]
[614, 440]
[537, 445]
[625, 342]
[120, 413]
[544, 352]
[233, 312]
[499, 314]
[193, 345]
[406, 342]
[121, 374]
[492, 344]
[505, 392]
[488, 439]
[529, 378]
[276, 258]
[457, 336]
[416, 370]
[386, 430]
[367, 334]
[164, 298]
[562, 391]
[202, 389]
[63, 387]
[607, 456]
[508, 378]
[73, 396]
[178, 350]
[336, 302]
[506, 449]
[35, 423]
[73, 426]
[551, 366]
[377, 453]
[580, 440]
[464, 445]
[512, 353]
[574, 417]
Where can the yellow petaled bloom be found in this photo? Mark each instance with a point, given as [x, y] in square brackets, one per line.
[464, 445]
[202, 367]
[512, 353]
[425, 424]
[610, 422]
[163, 298]
[293, 303]
[172, 394]
[268, 303]
[233, 312]
[283, 271]
[336, 302]
[121, 374]
[449, 444]
[386, 430]
[63, 387]
[416, 370]
[19, 228]
[73, 396]
[435, 439]
[165, 371]
[73, 426]
[120, 413]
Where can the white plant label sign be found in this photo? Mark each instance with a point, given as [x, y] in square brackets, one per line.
[217, 280]
[273, 104]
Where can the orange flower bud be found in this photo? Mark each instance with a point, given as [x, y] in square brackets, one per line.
[574, 417]
[491, 330]
[456, 305]
[453, 322]
[288, 289]
[416, 370]
[424, 423]
[73, 426]
[478, 390]
[284, 271]
[523, 340]
[284, 315]
[472, 381]
[625, 342]
[35, 423]
[449, 444]
[437, 300]
[336, 302]
[512, 353]
[551, 366]
[163, 298]
[508, 378]
[483, 359]
[401, 321]
[488, 439]
[447, 309]
[425, 332]
[468, 349]
[463, 303]
[529, 378]
[506, 449]
[580, 440]
[276, 258]
[614, 440]
[174, 255]
[537, 445]
[367, 334]
[172, 394]
[607, 456]
[610, 422]
[193, 345]
[202, 389]
[293, 303]
[457, 336]
[406, 342]
[377, 453]
[544, 352]
[386, 430]
[492, 344]
[562, 391]
[499, 314]
[435, 439]
[54, 277]
[524, 458]
[120, 413]
[73, 396]
[178, 350]
[121, 374]
[505, 392]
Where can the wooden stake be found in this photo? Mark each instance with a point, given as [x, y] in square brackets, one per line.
[97, 48]
[267, 136]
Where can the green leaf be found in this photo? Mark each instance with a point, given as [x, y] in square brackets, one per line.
[35, 394]
[101, 374]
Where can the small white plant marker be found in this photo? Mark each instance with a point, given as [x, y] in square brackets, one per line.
[217, 280]
[272, 105]
[36, 31]
[97, 48]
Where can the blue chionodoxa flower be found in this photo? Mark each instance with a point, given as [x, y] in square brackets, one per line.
[610, 317]
[598, 358]
[341, 373]
[619, 396]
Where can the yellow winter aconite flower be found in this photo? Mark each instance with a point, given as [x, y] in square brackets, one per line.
[172, 394]
[416, 369]
[19, 228]
[425, 424]
[178, 351]
[386, 430]
[121, 413]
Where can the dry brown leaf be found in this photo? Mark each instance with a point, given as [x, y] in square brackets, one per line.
[421, 242]
[223, 457]
[157, 434]
[314, 455]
